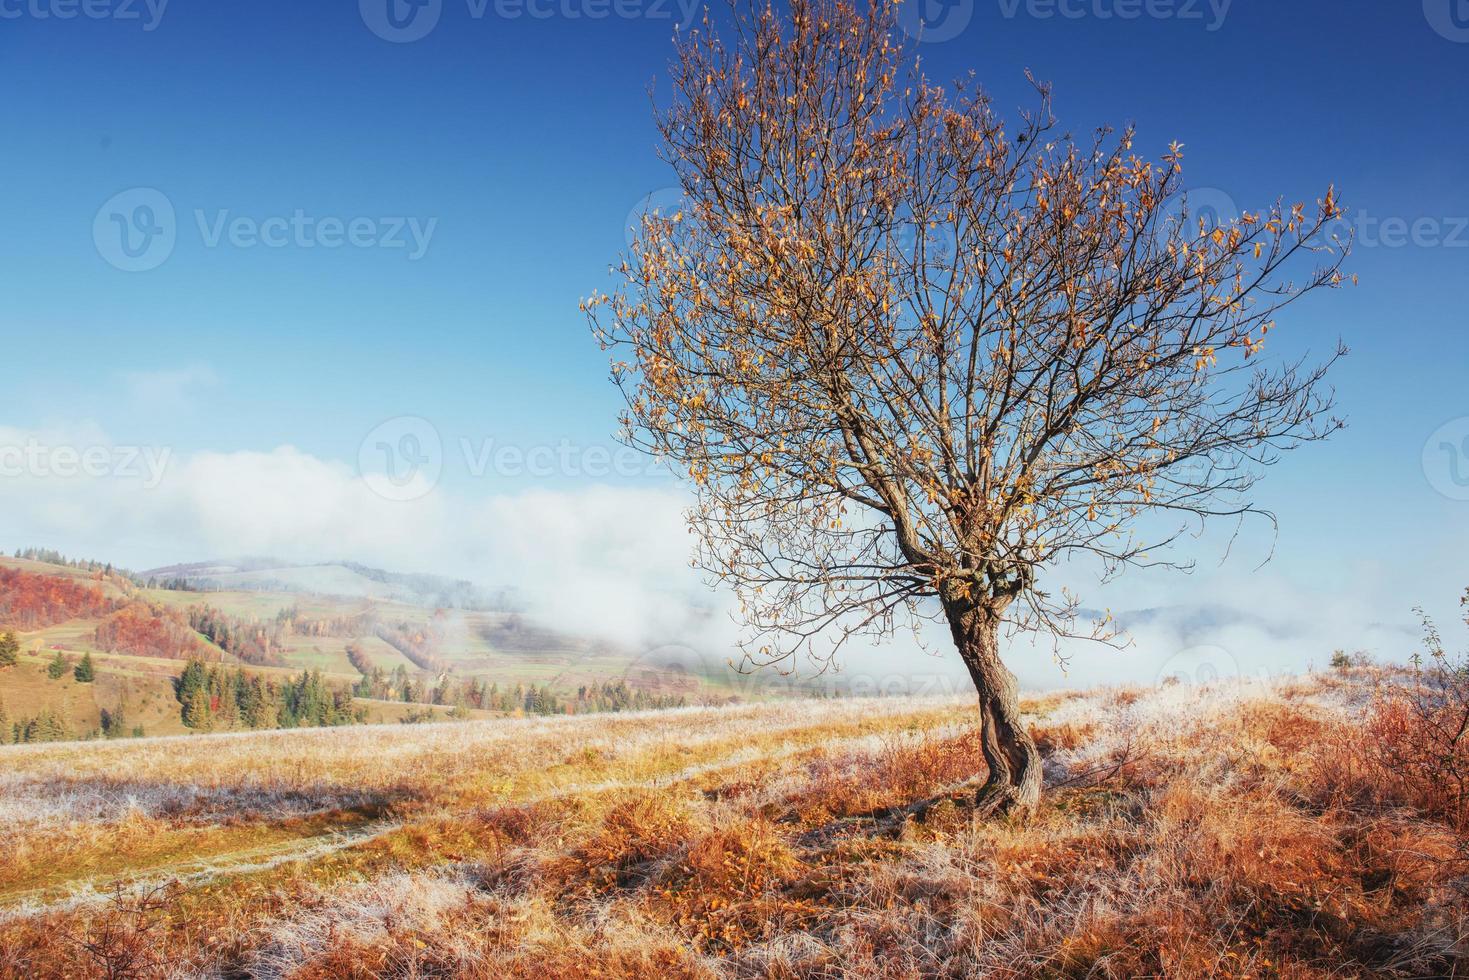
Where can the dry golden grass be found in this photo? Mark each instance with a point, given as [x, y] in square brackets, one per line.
[1239, 830]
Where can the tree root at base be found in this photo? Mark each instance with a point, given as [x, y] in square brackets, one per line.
[984, 800]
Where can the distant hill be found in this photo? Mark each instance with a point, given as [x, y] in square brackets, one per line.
[344, 578]
[408, 645]
[1204, 623]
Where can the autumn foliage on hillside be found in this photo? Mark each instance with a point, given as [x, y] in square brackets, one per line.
[419, 644]
[252, 640]
[29, 601]
[146, 630]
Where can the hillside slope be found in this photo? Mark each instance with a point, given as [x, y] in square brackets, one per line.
[140, 635]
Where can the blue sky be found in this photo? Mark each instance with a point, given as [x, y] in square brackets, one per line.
[523, 142]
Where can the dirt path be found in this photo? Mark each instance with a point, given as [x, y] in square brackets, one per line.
[103, 888]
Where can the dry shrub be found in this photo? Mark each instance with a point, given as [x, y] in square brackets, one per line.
[1402, 860]
[915, 767]
[1339, 769]
[1052, 854]
[1287, 727]
[725, 893]
[649, 958]
[1066, 736]
[636, 829]
[120, 941]
[1123, 697]
[399, 955]
[1252, 847]
[524, 823]
[1418, 739]
[40, 951]
[905, 769]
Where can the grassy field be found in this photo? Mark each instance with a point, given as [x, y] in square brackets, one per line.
[1230, 831]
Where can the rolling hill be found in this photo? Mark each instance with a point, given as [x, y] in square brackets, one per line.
[414, 645]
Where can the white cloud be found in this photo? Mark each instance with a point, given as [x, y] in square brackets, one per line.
[612, 561]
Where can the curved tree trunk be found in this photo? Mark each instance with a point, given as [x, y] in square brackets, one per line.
[1014, 780]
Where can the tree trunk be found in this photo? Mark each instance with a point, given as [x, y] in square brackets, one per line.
[1014, 780]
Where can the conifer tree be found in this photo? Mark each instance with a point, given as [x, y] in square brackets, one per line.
[84, 672]
[45, 727]
[196, 713]
[114, 722]
[57, 667]
[9, 649]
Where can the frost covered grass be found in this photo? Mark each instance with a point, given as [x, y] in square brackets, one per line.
[1229, 830]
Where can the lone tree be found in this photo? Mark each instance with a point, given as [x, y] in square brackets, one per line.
[909, 356]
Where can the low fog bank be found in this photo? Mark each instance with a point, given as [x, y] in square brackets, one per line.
[611, 562]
